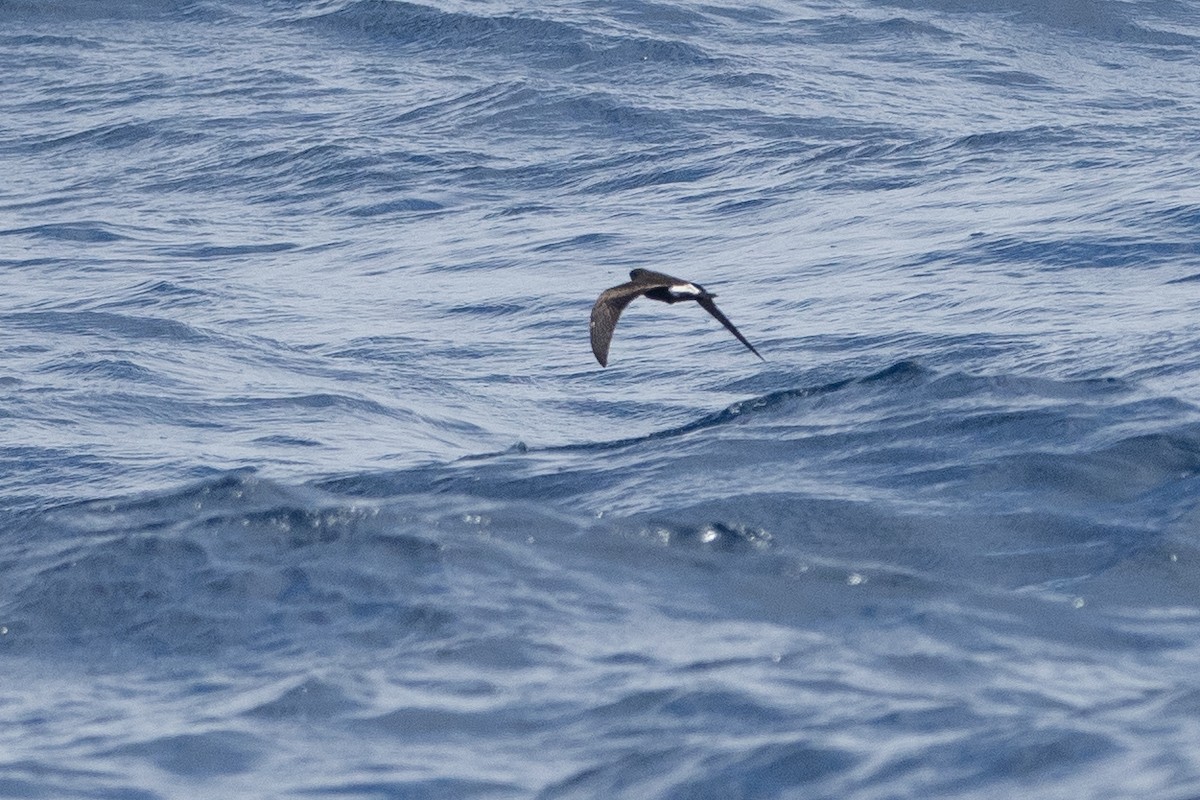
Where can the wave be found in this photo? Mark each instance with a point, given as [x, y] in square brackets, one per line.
[124, 327]
[550, 42]
[1099, 19]
[905, 475]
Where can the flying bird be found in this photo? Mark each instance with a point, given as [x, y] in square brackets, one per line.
[655, 286]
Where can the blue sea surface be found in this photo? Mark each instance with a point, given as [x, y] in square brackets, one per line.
[310, 485]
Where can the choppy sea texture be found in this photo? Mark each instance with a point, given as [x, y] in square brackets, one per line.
[310, 486]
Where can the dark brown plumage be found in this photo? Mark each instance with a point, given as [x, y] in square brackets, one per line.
[655, 286]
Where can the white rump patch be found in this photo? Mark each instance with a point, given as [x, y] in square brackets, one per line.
[684, 290]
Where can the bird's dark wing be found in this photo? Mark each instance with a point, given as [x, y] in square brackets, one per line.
[711, 307]
[607, 311]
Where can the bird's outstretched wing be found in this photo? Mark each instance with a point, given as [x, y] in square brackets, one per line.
[711, 307]
[607, 311]
[612, 302]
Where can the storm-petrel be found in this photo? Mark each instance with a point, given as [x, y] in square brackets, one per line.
[655, 286]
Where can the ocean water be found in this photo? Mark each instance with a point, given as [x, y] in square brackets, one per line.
[312, 488]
